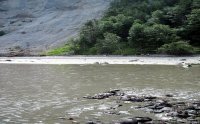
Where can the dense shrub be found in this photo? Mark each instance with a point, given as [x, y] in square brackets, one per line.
[146, 39]
[125, 52]
[109, 44]
[177, 48]
[193, 27]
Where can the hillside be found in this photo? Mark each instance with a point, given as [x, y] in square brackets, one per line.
[44, 24]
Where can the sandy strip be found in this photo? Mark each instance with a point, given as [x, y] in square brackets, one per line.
[101, 60]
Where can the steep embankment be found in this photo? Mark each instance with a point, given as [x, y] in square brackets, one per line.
[43, 24]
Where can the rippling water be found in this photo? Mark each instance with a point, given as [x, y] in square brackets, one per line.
[48, 93]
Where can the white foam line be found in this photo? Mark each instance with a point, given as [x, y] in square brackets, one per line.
[101, 60]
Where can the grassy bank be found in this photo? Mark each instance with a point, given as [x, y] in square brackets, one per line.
[64, 50]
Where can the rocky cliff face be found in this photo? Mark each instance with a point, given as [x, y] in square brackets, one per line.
[44, 24]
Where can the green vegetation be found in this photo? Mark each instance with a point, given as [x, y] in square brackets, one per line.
[2, 33]
[141, 27]
[177, 48]
[109, 44]
[59, 51]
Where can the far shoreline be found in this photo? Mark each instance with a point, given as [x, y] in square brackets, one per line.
[104, 60]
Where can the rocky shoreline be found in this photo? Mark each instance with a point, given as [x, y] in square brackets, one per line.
[167, 109]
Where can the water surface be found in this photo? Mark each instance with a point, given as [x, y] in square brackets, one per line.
[48, 93]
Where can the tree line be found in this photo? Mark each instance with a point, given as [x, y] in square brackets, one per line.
[131, 27]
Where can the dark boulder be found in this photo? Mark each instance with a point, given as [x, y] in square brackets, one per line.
[143, 119]
[90, 122]
[112, 113]
[129, 121]
[103, 95]
[125, 98]
[169, 95]
[132, 98]
[114, 92]
[99, 96]
[137, 99]
[183, 114]
[149, 98]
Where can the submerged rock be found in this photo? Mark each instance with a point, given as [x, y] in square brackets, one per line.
[128, 121]
[133, 98]
[62, 118]
[114, 92]
[149, 98]
[183, 59]
[8, 60]
[96, 63]
[169, 95]
[103, 95]
[143, 119]
[112, 113]
[184, 65]
[183, 114]
[136, 120]
[70, 118]
[99, 96]
[90, 122]
[134, 60]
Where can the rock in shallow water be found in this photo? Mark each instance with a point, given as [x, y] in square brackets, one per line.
[90, 122]
[128, 121]
[134, 98]
[103, 95]
[136, 120]
[169, 95]
[166, 106]
[143, 119]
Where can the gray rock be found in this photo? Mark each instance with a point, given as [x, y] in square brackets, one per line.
[166, 109]
[129, 121]
[103, 95]
[45, 24]
[125, 98]
[136, 99]
[143, 119]
[90, 122]
[135, 60]
[96, 63]
[183, 114]
[169, 95]
[183, 59]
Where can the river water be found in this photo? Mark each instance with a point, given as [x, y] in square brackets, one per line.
[51, 93]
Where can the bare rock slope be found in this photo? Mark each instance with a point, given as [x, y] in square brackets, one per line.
[44, 24]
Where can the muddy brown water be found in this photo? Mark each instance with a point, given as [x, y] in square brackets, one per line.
[51, 93]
